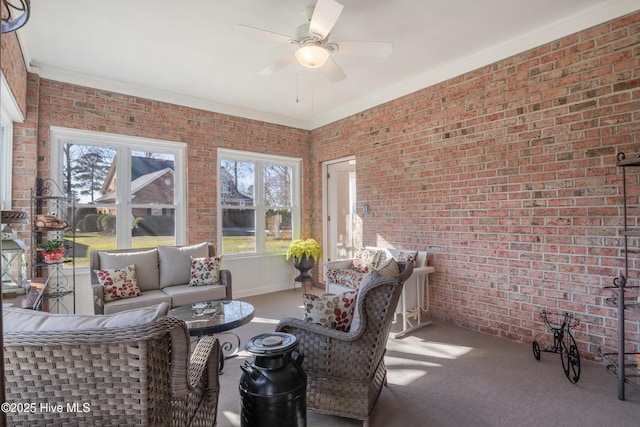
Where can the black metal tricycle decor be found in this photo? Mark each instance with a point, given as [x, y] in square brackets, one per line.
[563, 343]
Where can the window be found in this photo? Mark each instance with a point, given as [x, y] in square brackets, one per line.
[129, 191]
[258, 206]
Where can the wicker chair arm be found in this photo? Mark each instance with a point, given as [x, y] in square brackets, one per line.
[203, 387]
[406, 270]
[205, 357]
[303, 327]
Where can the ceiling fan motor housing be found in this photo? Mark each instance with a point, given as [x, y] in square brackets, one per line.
[303, 36]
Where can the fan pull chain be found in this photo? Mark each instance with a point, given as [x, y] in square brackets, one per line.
[297, 87]
[313, 85]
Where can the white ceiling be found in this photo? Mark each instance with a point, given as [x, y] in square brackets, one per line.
[189, 53]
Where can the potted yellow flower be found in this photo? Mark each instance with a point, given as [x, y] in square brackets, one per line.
[305, 253]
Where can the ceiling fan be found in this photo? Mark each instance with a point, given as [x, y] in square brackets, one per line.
[314, 47]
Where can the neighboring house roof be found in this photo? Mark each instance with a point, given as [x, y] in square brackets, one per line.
[136, 185]
[140, 166]
[145, 165]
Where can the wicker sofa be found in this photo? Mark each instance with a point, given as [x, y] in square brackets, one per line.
[163, 275]
[130, 368]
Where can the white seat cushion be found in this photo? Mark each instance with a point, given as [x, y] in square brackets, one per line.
[21, 320]
[148, 298]
[185, 295]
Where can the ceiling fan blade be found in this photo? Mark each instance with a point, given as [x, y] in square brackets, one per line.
[264, 33]
[375, 49]
[324, 17]
[332, 71]
[278, 65]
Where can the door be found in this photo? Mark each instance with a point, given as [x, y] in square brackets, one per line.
[342, 225]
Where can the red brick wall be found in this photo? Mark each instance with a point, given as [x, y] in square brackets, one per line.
[507, 176]
[13, 68]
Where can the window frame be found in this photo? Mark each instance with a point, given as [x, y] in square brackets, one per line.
[59, 136]
[259, 201]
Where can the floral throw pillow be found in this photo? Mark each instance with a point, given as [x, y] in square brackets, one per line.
[205, 271]
[119, 283]
[332, 311]
[410, 257]
[366, 259]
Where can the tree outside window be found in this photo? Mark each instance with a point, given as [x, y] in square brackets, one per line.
[257, 202]
[126, 197]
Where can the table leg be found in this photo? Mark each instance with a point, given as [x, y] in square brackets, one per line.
[229, 349]
[422, 292]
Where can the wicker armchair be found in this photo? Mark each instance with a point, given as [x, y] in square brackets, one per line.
[138, 375]
[346, 370]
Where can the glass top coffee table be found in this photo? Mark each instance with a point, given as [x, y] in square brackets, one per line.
[214, 318]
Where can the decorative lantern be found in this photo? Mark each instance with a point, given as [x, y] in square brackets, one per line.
[13, 250]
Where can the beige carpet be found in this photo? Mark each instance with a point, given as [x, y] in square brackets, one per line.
[442, 375]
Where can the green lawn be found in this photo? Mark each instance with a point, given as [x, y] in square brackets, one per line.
[231, 244]
[99, 241]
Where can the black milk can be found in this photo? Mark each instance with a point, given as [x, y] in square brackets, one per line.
[273, 388]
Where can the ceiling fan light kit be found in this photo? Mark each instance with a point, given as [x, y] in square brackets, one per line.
[312, 55]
